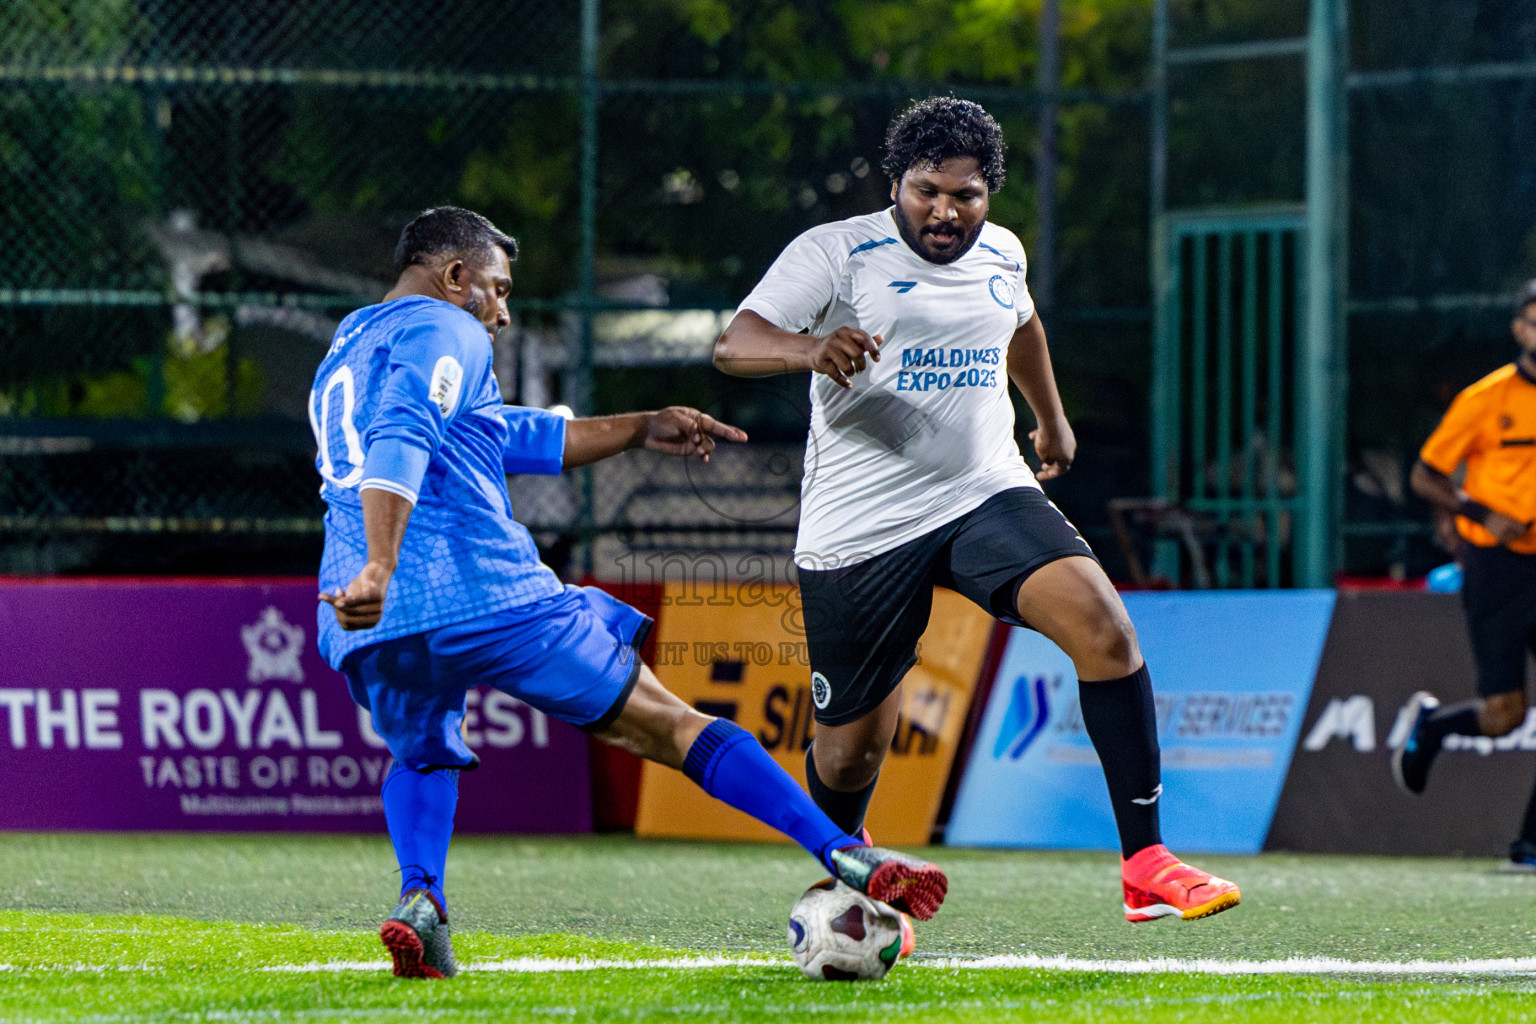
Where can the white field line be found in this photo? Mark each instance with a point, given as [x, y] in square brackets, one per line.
[78, 968]
[555, 965]
[1290, 965]
[1294, 965]
[550, 965]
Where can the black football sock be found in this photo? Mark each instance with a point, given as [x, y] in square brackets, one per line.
[1453, 718]
[1122, 723]
[846, 810]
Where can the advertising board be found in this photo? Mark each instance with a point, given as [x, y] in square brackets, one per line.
[1340, 796]
[741, 654]
[1231, 673]
[191, 704]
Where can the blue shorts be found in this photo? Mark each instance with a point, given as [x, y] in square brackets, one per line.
[572, 656]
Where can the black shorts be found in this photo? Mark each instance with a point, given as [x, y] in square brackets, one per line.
[1498, 594]
[863, 621]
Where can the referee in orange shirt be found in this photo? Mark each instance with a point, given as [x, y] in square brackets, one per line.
[1491, 428]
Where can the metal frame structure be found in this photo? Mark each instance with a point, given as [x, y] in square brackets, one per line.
[1318, 438]
[1323, 327]
[1223, 344]
[1318, 378]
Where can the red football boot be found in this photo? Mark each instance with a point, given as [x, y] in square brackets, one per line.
[1158, 884]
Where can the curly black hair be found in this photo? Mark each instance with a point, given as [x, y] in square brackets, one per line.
[933, 130]
[449, 231]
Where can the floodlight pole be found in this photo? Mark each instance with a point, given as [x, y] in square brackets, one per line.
[1321, 366]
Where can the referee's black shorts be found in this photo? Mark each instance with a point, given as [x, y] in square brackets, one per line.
[863, 621]
[1498, 595]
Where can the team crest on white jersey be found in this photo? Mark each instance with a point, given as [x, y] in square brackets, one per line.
[447, 379]
[1002, 290]
[274, 645]
[821, 690]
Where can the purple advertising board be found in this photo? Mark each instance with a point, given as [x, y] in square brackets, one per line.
[204, 704]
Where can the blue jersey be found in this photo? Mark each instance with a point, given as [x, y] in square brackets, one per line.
[405, 401]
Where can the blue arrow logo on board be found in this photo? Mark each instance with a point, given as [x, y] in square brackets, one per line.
[1029, 709]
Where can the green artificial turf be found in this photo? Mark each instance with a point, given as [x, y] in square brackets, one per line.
[180, 927]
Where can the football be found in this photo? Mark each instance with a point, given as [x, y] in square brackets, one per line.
[838, 934]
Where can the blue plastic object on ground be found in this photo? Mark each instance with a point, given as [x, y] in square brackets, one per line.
[1444, 579]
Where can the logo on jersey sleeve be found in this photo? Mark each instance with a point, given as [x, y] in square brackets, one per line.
[821, 691]
[447, 382]
[1002, 290]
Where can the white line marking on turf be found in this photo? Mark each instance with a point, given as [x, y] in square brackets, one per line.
[556, 965]
[78, 968]
[1293, 965]
[548, 965]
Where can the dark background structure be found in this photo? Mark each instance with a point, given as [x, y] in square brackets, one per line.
[196, 192]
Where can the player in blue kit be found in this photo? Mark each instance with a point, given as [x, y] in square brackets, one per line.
[433, 588]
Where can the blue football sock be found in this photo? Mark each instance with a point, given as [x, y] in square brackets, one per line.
[732, 767]
[418, 807]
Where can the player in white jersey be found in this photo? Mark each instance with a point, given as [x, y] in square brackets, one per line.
[913, 320]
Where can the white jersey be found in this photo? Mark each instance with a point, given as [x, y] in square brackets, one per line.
[925, 435]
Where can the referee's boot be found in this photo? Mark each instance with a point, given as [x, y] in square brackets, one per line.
[417, 937]
[1411, 761]
[1522, 858]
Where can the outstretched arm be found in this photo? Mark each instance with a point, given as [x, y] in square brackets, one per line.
[1029, 367]
[675, 430]
[753, 347]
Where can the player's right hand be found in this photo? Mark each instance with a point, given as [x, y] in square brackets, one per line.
[361, 605]
[842, 353]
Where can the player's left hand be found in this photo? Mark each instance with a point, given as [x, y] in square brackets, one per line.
[1056, 445]
[361, 605]
[679, 430]
[1505, 529]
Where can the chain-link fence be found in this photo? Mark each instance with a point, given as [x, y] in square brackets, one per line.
[1437, 195]
[1442, 199]
[196, 192]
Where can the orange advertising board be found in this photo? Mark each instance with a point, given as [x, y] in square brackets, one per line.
[741, 654]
